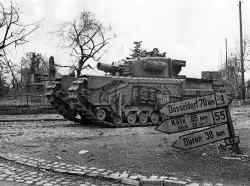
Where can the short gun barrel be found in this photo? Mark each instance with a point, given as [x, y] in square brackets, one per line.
[107, 68]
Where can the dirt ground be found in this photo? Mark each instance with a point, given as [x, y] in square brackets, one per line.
[140, 150]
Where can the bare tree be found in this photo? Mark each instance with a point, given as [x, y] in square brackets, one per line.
[12, 34]
[231, 72]
[3, 84]
[35, 62]
[34, 68]
[246, 53]
[85, 36]
[9, 67]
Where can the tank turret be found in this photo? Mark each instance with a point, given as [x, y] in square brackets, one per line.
[148, 66]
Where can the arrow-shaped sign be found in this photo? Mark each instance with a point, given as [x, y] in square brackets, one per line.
[195, 105]
[202, 137]
[193, 121]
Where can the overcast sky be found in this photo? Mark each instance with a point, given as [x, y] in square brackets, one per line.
[192, 30]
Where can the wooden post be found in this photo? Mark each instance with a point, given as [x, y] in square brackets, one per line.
[235, 146]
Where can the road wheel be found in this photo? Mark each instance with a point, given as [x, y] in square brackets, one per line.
[143, 117]
[155, 118]
[117, 120]
[101, 114]
[61, 109]
[131, 118]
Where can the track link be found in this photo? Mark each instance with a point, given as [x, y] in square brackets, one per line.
[78, 99]
[58, 99]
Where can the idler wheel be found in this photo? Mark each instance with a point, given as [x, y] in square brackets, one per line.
[101, 114]
[155, 118]
[131, 118]
[143, 117]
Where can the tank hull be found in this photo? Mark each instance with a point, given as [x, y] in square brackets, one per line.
[119, 101]
[131, 93]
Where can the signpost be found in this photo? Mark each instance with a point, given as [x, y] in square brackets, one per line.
[211, 110]
[193, 121]
[202, 137]
[198, 104]
[230, 141]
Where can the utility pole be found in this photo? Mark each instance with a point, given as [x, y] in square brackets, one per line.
[243, 90]
[227, 77]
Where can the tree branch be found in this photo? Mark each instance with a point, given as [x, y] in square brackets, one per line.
[14, 33]
[85, 37]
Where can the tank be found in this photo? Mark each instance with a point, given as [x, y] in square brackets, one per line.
[131, 93]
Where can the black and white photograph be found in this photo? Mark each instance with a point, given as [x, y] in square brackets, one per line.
[124, 92]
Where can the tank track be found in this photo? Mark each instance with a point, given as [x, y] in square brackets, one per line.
[78, 99]
[79, 102]
[58, 99]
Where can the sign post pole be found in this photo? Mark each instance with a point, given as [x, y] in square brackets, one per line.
[235, 146]
[211, 110]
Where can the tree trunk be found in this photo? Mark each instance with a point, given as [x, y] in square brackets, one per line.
[80, 65]
[78, 72]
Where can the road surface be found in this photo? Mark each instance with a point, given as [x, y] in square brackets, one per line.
[138, 150]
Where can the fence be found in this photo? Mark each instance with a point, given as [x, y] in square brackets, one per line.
[24, 100]
[25, 104]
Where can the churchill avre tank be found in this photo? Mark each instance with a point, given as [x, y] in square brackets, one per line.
[129, 94]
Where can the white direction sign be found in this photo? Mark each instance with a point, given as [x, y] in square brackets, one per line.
[202, 137]
[193, 121]
[195, 105]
